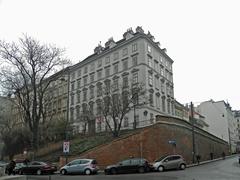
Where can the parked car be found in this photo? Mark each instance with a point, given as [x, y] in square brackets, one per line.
[80, 166]
[169, 162]
[129, 166]
[19, 164]
[37, 167]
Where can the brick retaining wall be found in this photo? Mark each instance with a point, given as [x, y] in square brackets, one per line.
[153, 141]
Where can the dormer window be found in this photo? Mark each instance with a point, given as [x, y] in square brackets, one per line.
[129, 34]
[110, 43]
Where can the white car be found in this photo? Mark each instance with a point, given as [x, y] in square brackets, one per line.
[80, 166]
[169, 162]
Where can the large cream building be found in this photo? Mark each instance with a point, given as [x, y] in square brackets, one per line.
[136, 58]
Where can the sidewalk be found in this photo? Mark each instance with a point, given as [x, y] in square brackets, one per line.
[208, 161]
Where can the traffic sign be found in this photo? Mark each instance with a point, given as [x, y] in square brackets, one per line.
[172, 142]
[66, 146]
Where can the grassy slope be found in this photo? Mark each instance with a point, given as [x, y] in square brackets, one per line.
[78, 145]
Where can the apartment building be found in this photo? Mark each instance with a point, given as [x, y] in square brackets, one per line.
[136, 58]
[237, 120]
[220, 118]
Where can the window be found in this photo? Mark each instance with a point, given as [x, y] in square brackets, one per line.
[78, 96]
[107, 71]
[157, 101]
[78, 112]
[125, 64]
[79, 72]
[91, 78]
[92, 92]
[71, 114]
[125, 52]
[99, 108]
[151, 118]
[126, 162]
[163, 87]
[150, 79]
[166, 74]
[134, 61]
[115, 56]
[85, 80]
[92, 66]
[107, 60]
[99, 126]
[72, 99]
[156, 80]
[78, 83]
[85, 95]
[161, 59]
[135, 77]
[99, 90]
[156, 65]
[115, 68]
[125, 123]
[134, 47]
[72, 86]
[99, 74]
[99, 62]
[73, 75]
[85, 69]
[161, 71]
[149, 49]
[168, 106]
[137, 120]
[163, 104]
[151, 99]
[150, 62]
[125, 81]
[107, 85]
[115, 85]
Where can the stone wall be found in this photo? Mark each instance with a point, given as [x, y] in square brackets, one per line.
[153, 141]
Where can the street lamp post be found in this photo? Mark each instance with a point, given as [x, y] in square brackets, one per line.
[193, 135]
[67, 123]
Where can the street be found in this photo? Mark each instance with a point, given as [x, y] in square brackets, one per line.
[227, 169]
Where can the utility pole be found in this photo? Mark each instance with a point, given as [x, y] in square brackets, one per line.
[193, 133]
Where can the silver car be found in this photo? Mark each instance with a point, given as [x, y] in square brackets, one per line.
[169, 162]
[80, 166]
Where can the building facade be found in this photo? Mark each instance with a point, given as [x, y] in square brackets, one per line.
[237, 120]
[136, 58]
[219, 116]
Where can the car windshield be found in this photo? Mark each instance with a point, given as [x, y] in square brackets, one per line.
[161, 158]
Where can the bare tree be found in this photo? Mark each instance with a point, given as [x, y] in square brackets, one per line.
[25, 68]
[115, 104]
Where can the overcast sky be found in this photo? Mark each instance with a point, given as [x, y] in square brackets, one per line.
[202, 37]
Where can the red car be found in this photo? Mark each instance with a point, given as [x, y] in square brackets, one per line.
[38, 167]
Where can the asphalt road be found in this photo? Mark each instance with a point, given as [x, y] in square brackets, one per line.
[227, 169]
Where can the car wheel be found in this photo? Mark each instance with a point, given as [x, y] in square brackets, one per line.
[39, 172]
[182, 166]
[87, 172]
[141, 170]
[113, 171]
[160, 169]
[63, 172]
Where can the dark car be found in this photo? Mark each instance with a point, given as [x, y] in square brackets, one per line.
[132, 165]
[38, 167]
